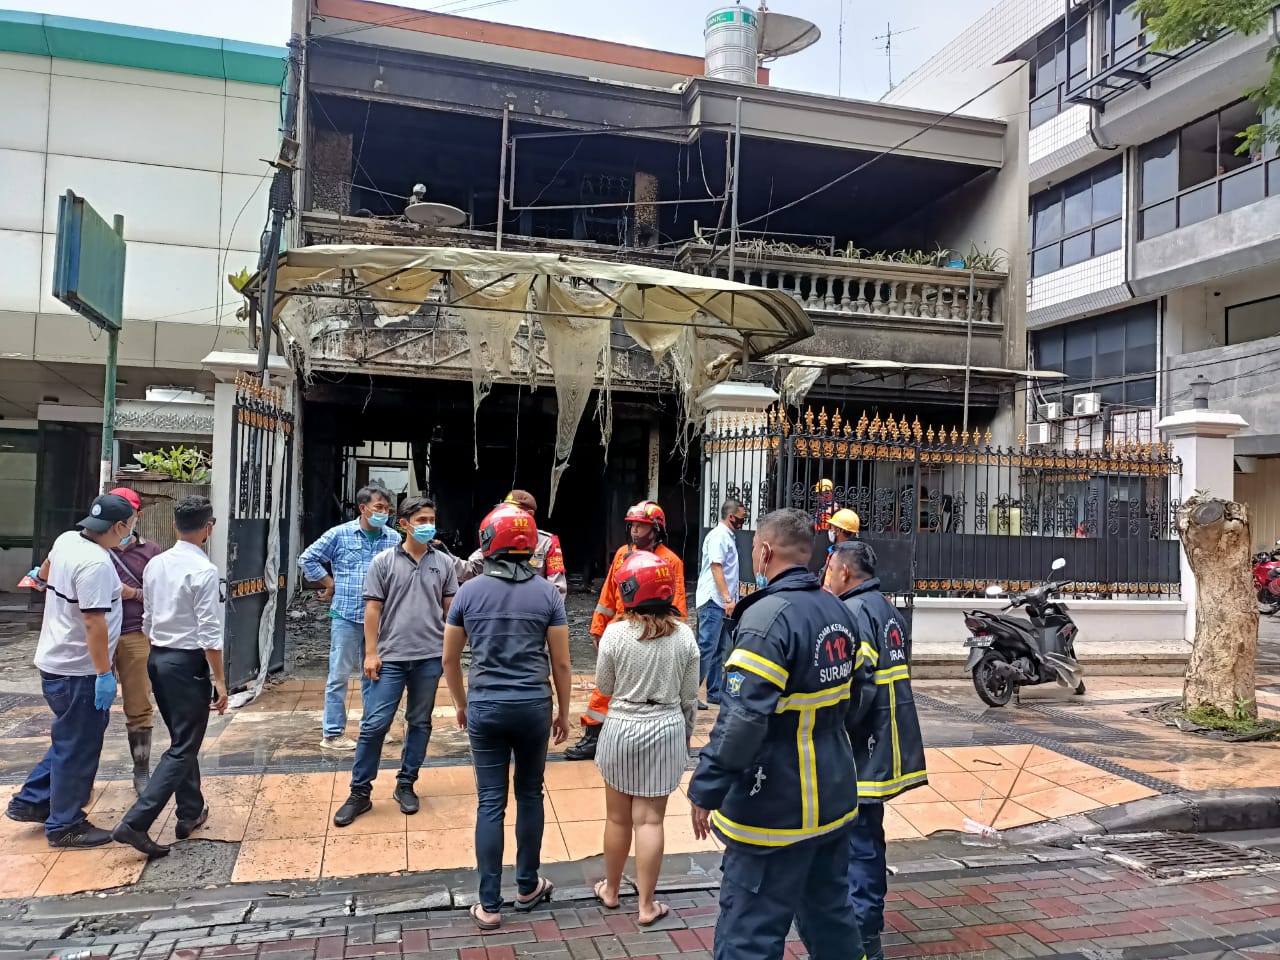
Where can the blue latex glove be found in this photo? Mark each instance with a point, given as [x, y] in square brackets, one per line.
[104, 691]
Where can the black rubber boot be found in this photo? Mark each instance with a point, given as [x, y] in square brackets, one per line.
[140, 748]
[585, 749]
[872, 948]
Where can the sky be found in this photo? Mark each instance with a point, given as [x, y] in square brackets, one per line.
[676, 25]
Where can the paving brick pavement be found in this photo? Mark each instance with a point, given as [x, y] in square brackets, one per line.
[1084, 910]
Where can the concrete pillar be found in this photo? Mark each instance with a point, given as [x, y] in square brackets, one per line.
[740, 467]
[226, 366]
[1203, 441]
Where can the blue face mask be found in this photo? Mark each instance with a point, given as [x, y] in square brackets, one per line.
[761, 581]
[377, 520]
[128, 537]
[425, 532]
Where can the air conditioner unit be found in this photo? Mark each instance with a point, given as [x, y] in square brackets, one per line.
[1039, 434]
[1086, 404]
[1050, 411]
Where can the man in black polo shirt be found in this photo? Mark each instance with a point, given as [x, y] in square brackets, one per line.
[407, 593]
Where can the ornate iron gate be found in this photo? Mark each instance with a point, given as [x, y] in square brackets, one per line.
[948, 513]
[259, 493]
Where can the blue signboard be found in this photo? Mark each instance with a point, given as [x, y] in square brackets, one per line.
[88, 264]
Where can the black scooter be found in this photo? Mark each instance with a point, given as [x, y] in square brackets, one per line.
[1006, 653]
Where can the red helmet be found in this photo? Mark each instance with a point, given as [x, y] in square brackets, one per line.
[507, 530]
[646, 511]
[646, 582]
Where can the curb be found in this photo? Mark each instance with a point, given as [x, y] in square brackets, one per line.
[1202, 811]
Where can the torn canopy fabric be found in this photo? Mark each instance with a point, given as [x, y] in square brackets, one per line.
[575, 344]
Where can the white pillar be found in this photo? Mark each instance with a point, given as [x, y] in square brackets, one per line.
[743, 465]
[1203, 441]
[226, 366]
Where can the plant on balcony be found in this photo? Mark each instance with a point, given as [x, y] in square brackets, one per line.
[180, 463]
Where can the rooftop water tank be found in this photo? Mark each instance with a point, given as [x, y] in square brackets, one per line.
[732, 35]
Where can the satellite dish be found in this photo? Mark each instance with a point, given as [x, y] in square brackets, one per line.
[434, 215]
[781, 35]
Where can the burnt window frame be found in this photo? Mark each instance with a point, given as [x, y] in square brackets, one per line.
[1059, 194]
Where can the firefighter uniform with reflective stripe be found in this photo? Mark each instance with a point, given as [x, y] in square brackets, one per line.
[887, 746]
[779, 773]
[609, 606]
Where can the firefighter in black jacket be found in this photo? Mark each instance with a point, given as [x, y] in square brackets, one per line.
[888, 747]
[777, 782]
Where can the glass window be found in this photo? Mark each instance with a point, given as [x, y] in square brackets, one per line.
[1063, 219]
[1253, 321]
[1077, 209]
[1047, 223]
[1198, 152]
[1108, 192]
[1140, 340]
[1111, 393]
[1077, 53]
[1048, 347]
[1198, 205]
[1160, 169]
[1107, 238]
[1159, 219]
[1233, 121]
[1140, 393]
[1126, 28]
[1046, 260]
[1078, 352]
[1113, 355]
[1243, 188]
[1110, 359]
[1077, 249]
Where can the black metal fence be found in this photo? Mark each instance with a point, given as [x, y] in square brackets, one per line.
[260, 419]
[948, 512]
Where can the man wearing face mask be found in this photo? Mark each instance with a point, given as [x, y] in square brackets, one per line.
[647, 526]
[717, 593]
[407, 592]
[842, 528]
[777, 781]
[184, 621]
[347, 550]
[78, 640]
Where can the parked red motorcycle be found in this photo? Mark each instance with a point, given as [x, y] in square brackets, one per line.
[1266, 580]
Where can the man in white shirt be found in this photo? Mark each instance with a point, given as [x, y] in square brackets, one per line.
[717, 593]
[183, 618]
[78, 638]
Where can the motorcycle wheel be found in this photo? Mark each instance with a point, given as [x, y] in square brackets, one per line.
[991, 689]
[1266, 605]
[1079, 691]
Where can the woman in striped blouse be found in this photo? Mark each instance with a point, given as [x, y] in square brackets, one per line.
[648, 664]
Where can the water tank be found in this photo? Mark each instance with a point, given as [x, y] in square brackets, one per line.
[732, 34]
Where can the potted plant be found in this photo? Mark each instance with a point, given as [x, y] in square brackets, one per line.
[162, 478]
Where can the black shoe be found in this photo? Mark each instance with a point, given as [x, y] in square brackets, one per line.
[702, 705]
[183, 829]
[140, 751]
[26, 812]
[123, 833]
[585, 749]
[356, 805]
[80, 837]
[407, 799]
[872, 949]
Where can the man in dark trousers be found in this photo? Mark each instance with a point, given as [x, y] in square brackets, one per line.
[183, 618]
[777, 781]
[888, 748]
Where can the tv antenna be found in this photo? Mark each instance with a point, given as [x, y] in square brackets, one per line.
[887, 37]
[840, 54]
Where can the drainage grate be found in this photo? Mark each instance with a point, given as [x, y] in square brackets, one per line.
[1181, 857]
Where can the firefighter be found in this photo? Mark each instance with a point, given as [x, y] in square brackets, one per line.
[547, 558]
[826, 493]
[888, 747]
[647, 528]
[842, 527]
[777, 781]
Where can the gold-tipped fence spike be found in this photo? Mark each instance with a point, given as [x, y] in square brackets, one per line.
[808, 419]
[987, 436]
[1077, 441]
[835, 422]
[964, 436]
[955, 436]
[862, 425]
[916, 430]
[930, 435]
[822, 420]
[877, 428]
[1022, 439]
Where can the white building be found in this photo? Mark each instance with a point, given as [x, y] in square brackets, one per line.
[1152, 244]
[170, 131]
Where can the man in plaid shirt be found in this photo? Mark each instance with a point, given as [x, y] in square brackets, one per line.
[346, 551]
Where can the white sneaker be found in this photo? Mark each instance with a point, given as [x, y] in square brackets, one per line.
[338, 743]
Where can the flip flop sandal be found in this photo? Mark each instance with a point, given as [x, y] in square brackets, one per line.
[541, 895]
[600, 897]
[663, 912]
[485, 925]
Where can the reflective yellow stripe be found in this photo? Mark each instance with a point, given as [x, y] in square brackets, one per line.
[812, 701]
[893, 728]
[891, 675]
[761, 667]
[875, 789]
[808, 769]
[868, 652]
[777, 836]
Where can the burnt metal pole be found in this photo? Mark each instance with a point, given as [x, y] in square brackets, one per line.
[502, 173]
[281, 203]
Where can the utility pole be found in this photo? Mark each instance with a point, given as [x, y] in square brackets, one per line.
[281, 202]
[887, 37]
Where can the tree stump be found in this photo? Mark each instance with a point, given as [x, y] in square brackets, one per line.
[1215, 536]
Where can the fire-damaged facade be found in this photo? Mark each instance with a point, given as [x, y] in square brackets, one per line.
[888, 227]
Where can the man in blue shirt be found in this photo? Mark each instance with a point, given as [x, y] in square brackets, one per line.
[717, 593]
[346, 551]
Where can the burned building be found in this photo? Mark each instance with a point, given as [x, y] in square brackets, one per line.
[885, 225]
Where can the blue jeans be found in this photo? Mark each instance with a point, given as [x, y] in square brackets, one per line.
[500, 730]
[346, 656]
[63, 780]
[868, 868]
[711, 643]
[381, 699]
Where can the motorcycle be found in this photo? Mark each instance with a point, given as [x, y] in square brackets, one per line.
[1266, 579]
[1006, 653]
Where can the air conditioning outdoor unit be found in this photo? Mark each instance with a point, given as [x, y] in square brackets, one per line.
[1039, 434]
[1050, 411]
[1086, 404]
